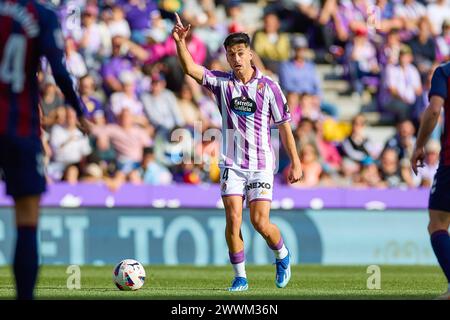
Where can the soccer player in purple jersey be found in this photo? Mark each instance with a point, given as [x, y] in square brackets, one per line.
[439, 201]
[248, 101]
[29, 30]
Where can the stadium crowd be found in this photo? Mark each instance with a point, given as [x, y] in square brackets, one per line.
[147, 114]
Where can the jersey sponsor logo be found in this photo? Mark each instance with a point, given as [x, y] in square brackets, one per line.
[264, 193]
[243, 106]
[257, 185]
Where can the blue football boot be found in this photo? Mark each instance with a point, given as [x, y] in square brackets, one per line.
[239, 284]
[283, 274]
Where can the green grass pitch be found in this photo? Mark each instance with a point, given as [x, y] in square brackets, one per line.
[189, 282]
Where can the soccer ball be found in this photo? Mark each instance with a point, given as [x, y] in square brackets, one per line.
[129, 275]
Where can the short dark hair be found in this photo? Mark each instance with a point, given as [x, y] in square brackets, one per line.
[236, 38]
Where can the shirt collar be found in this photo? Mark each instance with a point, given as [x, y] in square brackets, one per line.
[258, 75]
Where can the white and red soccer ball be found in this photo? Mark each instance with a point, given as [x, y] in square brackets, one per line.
[129, 275]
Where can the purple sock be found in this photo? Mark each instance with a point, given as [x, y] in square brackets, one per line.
[440, 240]
[278, 246]
[26, 262]
[237, 257]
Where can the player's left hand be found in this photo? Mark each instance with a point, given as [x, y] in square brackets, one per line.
[295, 173]
[417, 159]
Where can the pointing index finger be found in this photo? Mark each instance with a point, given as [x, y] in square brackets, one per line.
[178, 19]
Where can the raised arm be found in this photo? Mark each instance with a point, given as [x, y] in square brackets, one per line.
[179, 34]
[52, 45]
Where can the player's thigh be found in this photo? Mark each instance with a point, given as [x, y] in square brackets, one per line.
[260, 186]
[232, 182]
[259, 193]
[23, 166]
[232, 185]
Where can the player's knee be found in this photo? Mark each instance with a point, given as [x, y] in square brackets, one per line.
[261, 225]
[234, 221]
[436, 225]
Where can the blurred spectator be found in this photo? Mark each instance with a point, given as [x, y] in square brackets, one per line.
[424, 47]
[437, 12]
[94, 39]
[127, 98]
[118, 25]
[161, 106]
[309, 157]
[403, 86]
[74, 61]
[114, 66]
[403, 141]
[152, 172]
[370, 176]
[390, 50]
[293, 101]
[51, 99]
[299, 74]
[91, 103]
[208, 150]
[310, 106]
[443, 42]
[92, 174]
[189, 109]
[357, 146]
[382, 17]
[329, 153]
[409, 12]
[208, 108]
[137, 13]
[212, 33]
[236, 21]
[128, 141]
[427, 173]
[363, 62]
[271, 45]
[69, 147]
[392, 174]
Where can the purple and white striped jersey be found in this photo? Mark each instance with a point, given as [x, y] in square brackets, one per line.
[247, 111]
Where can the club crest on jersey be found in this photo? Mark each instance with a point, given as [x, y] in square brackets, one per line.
[243, 106]
[286, 108]
[260, 87]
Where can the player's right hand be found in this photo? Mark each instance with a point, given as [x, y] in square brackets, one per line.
[84, 125]
[179, 32]
[417, 159]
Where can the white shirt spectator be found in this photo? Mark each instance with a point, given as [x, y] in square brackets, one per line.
[405, 80]
[120, 100]
[119, 28]
[68, 147]
[75, 65]
[412, 11]
[437, 14]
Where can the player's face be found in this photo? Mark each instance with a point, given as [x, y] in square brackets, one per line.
[239, 57]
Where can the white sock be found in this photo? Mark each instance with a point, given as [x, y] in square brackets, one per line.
[239, 269]
[281, 253]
